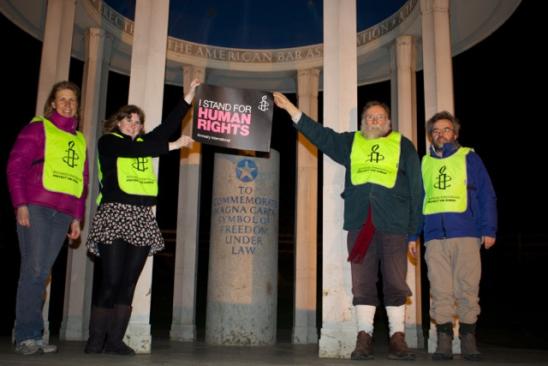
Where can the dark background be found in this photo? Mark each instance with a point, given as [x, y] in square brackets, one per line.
[499, 99]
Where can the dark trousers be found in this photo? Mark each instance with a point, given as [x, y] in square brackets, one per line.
[389, 251]
[121, 264]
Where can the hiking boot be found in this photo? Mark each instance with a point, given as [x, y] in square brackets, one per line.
[397, 348]
[444, 349]
[28, 347]
[468, 347]
[364, 347]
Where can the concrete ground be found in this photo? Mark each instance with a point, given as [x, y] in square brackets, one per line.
[167, 353]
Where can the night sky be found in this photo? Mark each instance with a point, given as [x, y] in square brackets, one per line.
[503, 118]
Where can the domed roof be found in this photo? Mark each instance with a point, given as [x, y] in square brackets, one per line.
[256, 24]
[259, 44]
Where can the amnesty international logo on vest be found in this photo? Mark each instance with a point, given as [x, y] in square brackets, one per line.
[135, 175]
[64, 159]
[375, 160]
[444, 183]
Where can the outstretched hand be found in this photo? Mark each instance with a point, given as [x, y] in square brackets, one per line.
[183, 141]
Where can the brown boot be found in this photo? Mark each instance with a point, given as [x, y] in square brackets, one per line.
[468, 342]
[364, 347]
[444, 349]
[397, 348]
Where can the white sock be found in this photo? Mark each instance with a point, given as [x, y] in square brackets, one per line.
[366, 316]
[396, 318]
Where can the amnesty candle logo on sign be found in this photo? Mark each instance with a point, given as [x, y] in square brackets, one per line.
[235, 118]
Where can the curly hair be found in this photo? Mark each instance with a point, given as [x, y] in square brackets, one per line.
[442, 115]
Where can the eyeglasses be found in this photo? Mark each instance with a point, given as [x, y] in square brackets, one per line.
[439, 131]
[377, 117]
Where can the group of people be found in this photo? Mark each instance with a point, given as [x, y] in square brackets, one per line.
[390, 199]
[48, 181]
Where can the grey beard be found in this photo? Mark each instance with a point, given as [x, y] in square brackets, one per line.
[373, 133]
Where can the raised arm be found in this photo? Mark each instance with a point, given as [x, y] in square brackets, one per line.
[282, 102]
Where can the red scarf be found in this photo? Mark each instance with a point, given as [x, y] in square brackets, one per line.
[363, 240]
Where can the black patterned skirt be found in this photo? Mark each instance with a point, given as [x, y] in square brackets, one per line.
[133, 224]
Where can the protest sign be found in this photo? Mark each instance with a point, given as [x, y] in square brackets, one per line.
[234, 118]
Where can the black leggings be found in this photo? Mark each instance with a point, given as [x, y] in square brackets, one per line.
[121, 264]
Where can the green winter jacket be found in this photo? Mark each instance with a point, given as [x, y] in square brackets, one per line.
[395, 210]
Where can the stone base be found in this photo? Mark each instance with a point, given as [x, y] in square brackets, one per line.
[337, 343]
[72, 329]
[138, 337]
[305, 335]
[182, 333]
[414, 336]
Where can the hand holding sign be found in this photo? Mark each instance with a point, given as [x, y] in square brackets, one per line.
[190, 95]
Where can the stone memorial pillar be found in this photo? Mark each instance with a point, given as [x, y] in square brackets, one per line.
[243, 256]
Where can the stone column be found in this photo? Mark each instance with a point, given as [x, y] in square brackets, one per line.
[79, 277]
[243, 256]
[437, 59]
[183, 325]
[56, 47]
[54, 67]
[407, 124]
[306, 241]
[338, 333]
[394, 86]
[146, 89]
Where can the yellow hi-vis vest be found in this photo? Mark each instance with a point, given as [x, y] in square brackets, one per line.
[64, 159]
[375, 160]
[445, 182]
[136, 175]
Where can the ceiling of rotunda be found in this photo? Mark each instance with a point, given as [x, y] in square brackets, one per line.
[257, 24]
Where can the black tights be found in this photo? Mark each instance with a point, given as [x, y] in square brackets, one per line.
[121, 265]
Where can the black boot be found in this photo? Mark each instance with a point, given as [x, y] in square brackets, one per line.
[468, 342]
[98, 326]
[114, 343]
[444, 349]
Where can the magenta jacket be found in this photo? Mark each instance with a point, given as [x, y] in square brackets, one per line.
[25, 165]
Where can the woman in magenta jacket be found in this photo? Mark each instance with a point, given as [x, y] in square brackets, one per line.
[47, 179]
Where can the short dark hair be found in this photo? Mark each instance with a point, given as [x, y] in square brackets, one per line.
[442, 115]
[124, 112]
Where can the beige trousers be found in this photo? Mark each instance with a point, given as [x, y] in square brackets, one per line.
[454, 272]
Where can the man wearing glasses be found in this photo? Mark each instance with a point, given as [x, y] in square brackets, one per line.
[459, 216]
[382, 199]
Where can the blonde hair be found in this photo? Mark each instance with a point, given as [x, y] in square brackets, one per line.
[61, 85]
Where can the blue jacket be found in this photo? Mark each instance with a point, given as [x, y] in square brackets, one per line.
[480, 217]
